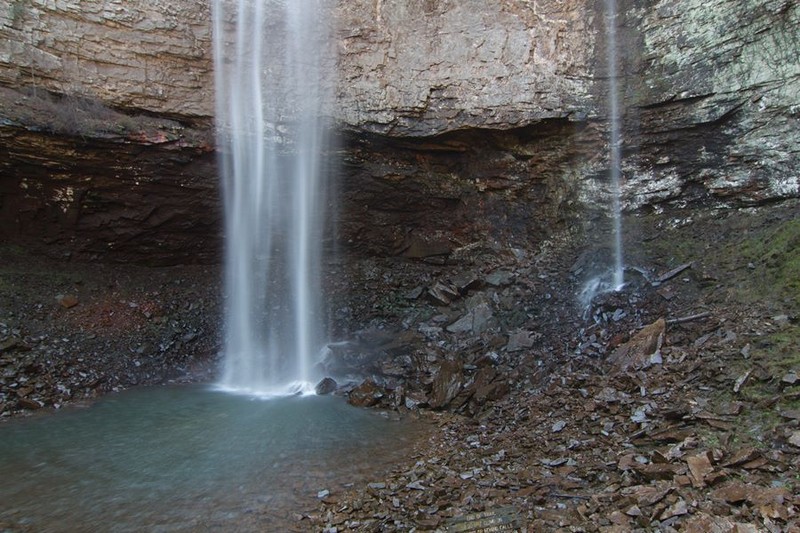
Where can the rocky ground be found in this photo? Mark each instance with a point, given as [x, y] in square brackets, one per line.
[71, 332]
[673, 404]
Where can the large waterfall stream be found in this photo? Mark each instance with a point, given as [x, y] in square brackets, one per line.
[270, 88]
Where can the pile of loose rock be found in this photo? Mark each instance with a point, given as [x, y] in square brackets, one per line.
[668, 405]
[653, 437]
[650, 409]
[73, 332]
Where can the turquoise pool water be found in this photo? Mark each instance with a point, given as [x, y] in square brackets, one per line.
[187, 458]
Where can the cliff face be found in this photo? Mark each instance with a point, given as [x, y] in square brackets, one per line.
[712, 101]
[421, 67]
[139, 54]
[412, 67]
[79, 178]
[463, 120]
[105, 125]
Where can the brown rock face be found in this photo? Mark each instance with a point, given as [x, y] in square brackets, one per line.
[93, 181]
[639, 352]
[367, 394]
[96, 183]
[406, 66]
[447, 384]
[426, 198]
[463, 121]
[422, 67]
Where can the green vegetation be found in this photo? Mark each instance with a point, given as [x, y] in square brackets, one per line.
[757, 255]
[774, 254]
[780, 350]
[751, 259]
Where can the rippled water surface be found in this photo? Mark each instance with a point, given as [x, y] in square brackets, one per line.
[187, 458]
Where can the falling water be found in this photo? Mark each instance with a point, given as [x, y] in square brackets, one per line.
[613, 279]
[270, 88]
[615, 160]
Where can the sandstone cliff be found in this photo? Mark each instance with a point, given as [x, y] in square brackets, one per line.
[421, 67]
[407, 66]
[139, 54]
[463, 121]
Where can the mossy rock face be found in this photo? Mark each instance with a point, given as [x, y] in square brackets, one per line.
[774, 255]
[746, 269]
[756, 252]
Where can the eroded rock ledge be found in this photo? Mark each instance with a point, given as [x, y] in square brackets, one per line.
[80, 179]
[97, 183]
[462, 121]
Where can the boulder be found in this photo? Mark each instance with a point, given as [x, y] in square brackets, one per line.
[326, 386]
[67, 301]
[446, 384]
[520, 340]
[499, 278]
[27, 403]
[476, 321]
[367, 394]
[443, 293]
[642, 351]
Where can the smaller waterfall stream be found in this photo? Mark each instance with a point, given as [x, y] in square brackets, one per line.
[270, 80]
[613, 278]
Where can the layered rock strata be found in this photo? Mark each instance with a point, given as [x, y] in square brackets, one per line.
[463, 120]
[712, 99]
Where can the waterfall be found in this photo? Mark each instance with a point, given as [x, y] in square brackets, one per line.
[613, 279]
[269, 58]
[615, 158]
